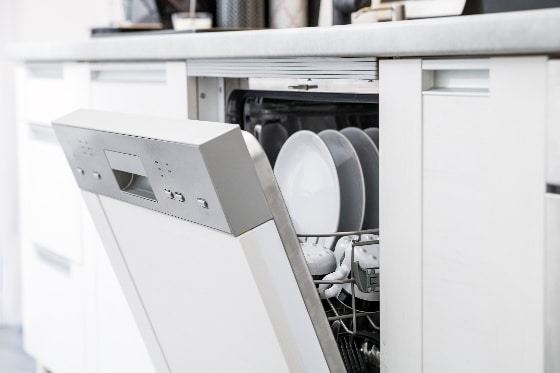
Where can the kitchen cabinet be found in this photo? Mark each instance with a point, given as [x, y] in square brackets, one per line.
[462, 214]
[76, 318]
[51, 211]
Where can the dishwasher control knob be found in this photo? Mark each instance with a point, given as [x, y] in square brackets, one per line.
[202, 203]
[180, 197]
[80, 170]
[97, 175]
[168, 193]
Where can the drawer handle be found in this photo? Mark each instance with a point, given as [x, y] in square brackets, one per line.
[53, 260]
[129, 76]
[42, 132]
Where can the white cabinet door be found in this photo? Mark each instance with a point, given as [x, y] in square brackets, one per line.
[483, 216]
[462, 214]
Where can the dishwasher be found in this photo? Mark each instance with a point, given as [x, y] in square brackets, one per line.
[195, 226]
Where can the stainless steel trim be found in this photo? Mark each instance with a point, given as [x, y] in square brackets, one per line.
[552, 284]
[366, 86]
[295, 255]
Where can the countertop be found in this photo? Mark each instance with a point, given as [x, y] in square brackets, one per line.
[514, 33]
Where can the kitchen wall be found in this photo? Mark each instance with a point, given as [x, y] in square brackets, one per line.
[27, 21]
[9, 261]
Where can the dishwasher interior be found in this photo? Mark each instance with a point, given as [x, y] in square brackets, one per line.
[350, 291]
[204, 246]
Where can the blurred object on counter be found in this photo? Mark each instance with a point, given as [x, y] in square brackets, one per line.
[495, 6]
[240, 13]
[393, 11]
[191, 21]
[383, 10]
[167, 7]
[325, 13]
[313, 9]
[287, 13]
[342, 10]
[140, 11]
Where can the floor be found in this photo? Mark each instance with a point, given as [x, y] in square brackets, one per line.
[12, 357]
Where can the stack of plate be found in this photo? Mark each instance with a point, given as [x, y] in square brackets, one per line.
[330, 181]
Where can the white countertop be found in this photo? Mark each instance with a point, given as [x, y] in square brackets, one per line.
[527, 32]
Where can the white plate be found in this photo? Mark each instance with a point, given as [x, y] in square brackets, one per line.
[308, 179]
[373, 133]
[369, 160]
[351, 179]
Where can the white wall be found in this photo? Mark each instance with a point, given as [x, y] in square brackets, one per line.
[9, 258]
[24, 21]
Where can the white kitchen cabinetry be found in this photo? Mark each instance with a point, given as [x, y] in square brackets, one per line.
[463, 176]
[51, 226]
[464, 215]
[75, 316]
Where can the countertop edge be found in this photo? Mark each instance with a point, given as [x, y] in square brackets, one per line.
[514, 33]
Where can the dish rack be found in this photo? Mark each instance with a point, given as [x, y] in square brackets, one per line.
[356, 331]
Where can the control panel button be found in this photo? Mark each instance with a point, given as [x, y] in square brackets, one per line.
[97, 175]
[80, 171]
[202, 203]
[180, 197]
[169, 194]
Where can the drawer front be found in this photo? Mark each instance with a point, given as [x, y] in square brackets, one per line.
[51, 201]
[51, 90]
[140, 88]
[53, 304]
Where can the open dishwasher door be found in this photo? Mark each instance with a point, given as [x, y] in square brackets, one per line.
[198, 234]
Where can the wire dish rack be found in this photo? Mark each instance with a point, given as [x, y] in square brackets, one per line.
[354, 322]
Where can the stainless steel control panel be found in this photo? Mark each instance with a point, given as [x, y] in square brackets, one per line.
[188, 179]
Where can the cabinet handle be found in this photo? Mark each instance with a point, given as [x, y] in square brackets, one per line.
[141, 73]
[52, 259]
[42, 132]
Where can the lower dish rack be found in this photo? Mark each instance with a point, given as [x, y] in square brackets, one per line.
[350, 294]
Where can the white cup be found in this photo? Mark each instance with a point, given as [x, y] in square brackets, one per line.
[184, 21]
